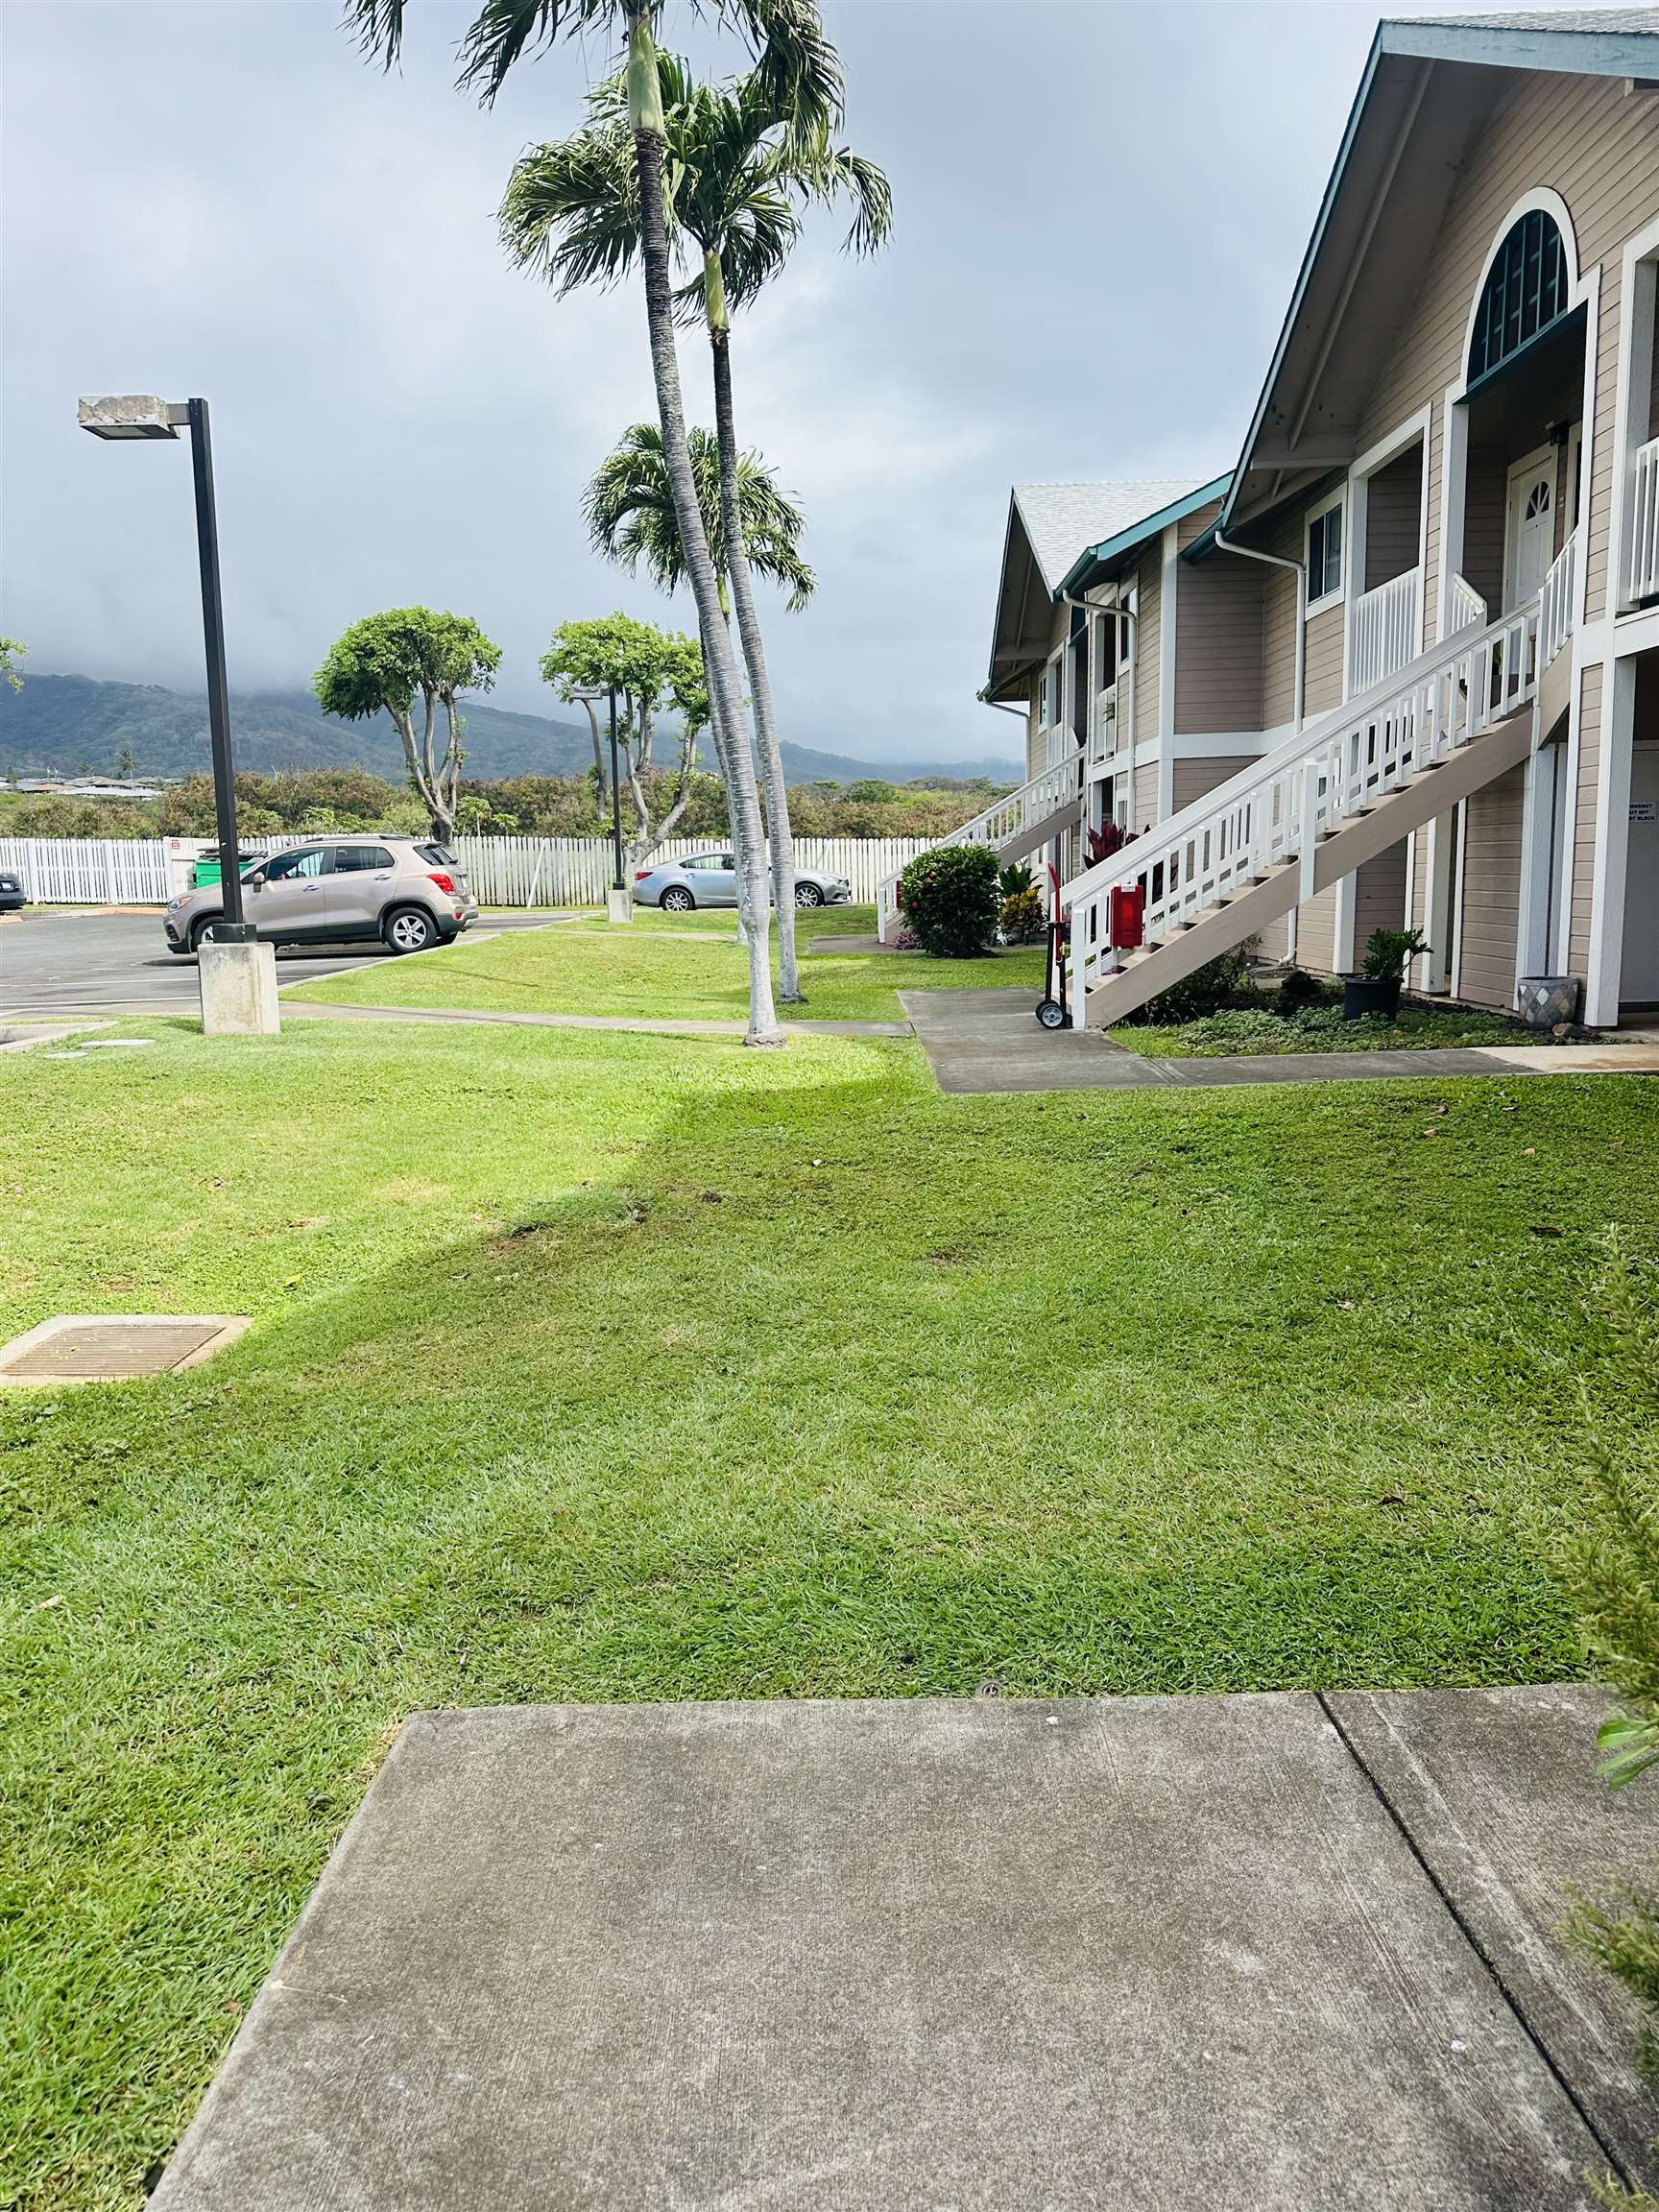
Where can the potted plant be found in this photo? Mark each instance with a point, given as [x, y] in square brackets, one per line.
[1377, 988]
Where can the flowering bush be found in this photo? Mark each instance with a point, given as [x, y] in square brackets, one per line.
[948, 894]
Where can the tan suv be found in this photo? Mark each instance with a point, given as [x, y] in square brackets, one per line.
[408, 894]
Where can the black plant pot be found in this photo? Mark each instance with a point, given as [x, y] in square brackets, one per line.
[1363, 995]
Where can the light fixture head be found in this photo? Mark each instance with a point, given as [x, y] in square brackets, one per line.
[133, 415]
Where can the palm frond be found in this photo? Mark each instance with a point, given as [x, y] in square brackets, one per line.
[570, 212]
[504, 30]
[629, 509]
[378, 27]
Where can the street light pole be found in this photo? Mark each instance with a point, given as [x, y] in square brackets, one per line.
[235, 969]
[616, 797]
[234, 926]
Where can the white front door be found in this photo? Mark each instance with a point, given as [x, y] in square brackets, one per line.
[1529, 528]
[1638, 979]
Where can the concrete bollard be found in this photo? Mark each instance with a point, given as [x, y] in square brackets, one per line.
[239, 990]
[618, 903]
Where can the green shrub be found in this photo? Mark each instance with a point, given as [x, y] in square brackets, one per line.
[1219, 984]
[1023, 918]
[1014, 879]
[950, 899]
[1387, 952]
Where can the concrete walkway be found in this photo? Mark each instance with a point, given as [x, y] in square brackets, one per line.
[989, 1040]
[1261, 1954]
[320, 1012]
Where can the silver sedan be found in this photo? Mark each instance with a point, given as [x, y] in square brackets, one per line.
[710, 879]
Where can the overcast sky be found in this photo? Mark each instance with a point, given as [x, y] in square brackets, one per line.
[1098, 213]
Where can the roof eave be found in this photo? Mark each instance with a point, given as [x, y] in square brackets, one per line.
[1138, 533]
[1566, 50]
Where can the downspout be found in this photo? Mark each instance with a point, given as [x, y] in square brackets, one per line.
[1283, 561]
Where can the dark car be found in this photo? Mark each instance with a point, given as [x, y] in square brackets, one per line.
[12, 896]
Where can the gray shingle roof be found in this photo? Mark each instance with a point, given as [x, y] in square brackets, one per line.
[1063, 520]
[1614, 21]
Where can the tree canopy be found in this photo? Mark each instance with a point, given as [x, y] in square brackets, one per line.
[387, 662]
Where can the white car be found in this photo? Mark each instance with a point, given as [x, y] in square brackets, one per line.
[710, 879]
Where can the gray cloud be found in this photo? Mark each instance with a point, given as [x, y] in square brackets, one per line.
[1099, 212]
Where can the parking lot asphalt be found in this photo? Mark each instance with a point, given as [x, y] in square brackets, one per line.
[114, 960]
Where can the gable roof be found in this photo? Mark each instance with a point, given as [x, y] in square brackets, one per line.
[1052, 530]
[1427, 87]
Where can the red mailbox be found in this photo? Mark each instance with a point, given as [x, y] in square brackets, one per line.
[1128, 916]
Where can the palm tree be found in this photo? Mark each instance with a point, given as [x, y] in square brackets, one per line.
[798, 67]
[629, 512]
[742, 165]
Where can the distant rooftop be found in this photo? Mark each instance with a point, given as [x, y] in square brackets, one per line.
[1064, 520]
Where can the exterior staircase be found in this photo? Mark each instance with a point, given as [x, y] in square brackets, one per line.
[1012, 827]
[1304, 816]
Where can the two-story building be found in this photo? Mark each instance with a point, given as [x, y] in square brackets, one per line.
[1401, 664]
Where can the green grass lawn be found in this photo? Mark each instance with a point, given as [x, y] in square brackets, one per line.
[665, 967]
[600, 1366]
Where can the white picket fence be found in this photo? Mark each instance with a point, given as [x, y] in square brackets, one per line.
[504, 871]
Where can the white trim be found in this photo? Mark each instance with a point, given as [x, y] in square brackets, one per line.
[1393, 443]
[1167, 597]
[1197, 745]
[1532, 902]
[1606, 960]
[1437, 905]
[1553, 204]
[1638, 332]
[1417, 429]
[1310, 515]
[1342, 924]
[1592, 293]
[1451, 506]
[1459, 869]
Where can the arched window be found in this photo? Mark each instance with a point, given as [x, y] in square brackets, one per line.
[1525, 291]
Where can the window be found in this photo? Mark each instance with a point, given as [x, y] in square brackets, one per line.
[307, 861]
[1525, 291]
[437, 855]
[360, 859]
[1051, 687]
[1324, 554]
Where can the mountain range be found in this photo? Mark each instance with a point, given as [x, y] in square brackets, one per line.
[74, 725]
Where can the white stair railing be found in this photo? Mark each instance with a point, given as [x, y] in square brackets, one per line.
[1556, 602]
[1279, 807]
[1465, 608]
[1003, 820]
[1641, 575]
[1385, 630]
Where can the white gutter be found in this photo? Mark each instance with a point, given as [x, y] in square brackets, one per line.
[1281, 561]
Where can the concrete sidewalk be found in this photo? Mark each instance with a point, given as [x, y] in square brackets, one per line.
[1261, 1954]
[988, 1041]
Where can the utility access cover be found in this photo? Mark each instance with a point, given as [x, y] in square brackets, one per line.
[114, 1347]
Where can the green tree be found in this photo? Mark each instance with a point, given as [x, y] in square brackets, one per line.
[385, 664]
[629, 508]
[741, 161]
[649, 670]
[11, 651]
[797, 66]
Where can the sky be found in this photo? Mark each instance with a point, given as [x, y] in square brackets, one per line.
[1099, 214]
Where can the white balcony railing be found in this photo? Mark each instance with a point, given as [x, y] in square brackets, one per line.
[1280, 806]
[1557, 601]
[1103, 727]
[1642, 579]
[1386, 630]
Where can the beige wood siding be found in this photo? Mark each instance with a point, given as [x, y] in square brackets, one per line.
[1393, 518]
[1279, 598]
[1193, 778]
[1322, 679]
[1584, 824]
[1316, 933]
[1217, 640]
[1379, 897]
[1491, 891]
[1033, 733]
[1484, 498]
[1143, 813]
[1149, 582]
[1596, 145]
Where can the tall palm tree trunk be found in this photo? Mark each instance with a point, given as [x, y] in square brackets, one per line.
[725, 690]
[781, 837]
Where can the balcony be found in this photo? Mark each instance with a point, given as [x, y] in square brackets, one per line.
[1385, 630]
[1103, 727]
[1642, 568]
